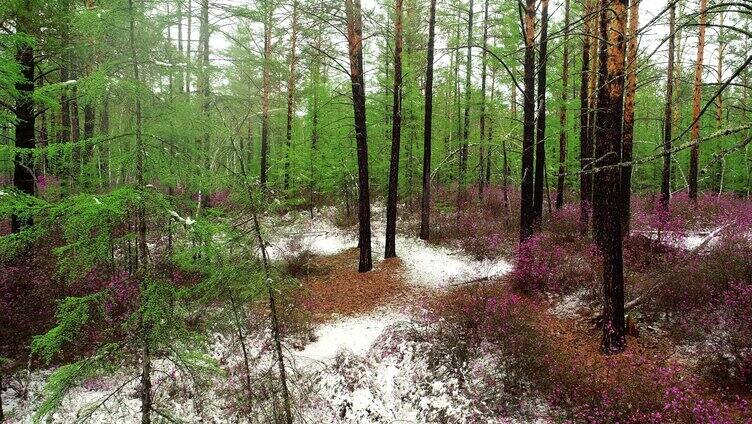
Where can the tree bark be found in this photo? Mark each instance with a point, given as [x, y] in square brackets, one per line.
[425, 211]
[391, 204]
[527, 215]
[291, 92]
[355, 52]
[586, 146]
[607, 194]
[668, 112]
[181, 79]
[204, 82]
[694, 157]
[629, 113]
[188, 48]
[718, 172]
[482, 138]
[489, 131]
[23, 172]
[141, 248]
[265, 97]
[466, 126]
[563, 135]
[540, 130]
[104, 130]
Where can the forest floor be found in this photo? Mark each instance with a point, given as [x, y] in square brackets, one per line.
[391, 345]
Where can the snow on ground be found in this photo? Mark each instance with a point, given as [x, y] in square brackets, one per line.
[361, 369]
[355, 335]
[425, 264]
[570, 305]
[686, 240]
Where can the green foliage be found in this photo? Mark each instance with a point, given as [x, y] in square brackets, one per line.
[73, 313]
[92, 225]
[59, 383]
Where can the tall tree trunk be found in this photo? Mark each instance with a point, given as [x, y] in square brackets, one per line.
[425, 210]
[188, 48]
[540, 131]
[694, 157]
[291, 92]
[391, 203]
[75, 127]
[527, 215]
[586, 145]
[43, 142]
[142, 252]
[718, 172]
[668, 111]
[204, 83]
[23, 172]
[607, 194]
[490, 129]
[563, 135]
[180, 76]
[104, 130]
[355, 50]
[75, 123]
[481, 139]
[629, 112]
[457, 93]
[265, 97]
[315, 79]
[466, 125]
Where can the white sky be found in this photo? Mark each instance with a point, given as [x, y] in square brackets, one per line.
[649, 41]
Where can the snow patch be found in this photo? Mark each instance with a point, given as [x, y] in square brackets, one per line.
[569, 305]
[425, 264]
[355, 335]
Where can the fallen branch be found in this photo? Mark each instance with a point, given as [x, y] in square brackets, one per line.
[477, 280]
[595, 318]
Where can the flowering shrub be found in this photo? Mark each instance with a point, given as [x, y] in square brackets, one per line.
[727, 352]
[28, 291]
[543, 265]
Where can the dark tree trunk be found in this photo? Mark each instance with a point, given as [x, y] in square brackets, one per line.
[75, 131]
[694, 157]
[490, 130]
[719, 164]
[425, 210]
[291, 92]
[204, 89]
[481, 139]
[355, 50]
[668, 112]
[188, 48]
[23, 172]
[265, 98]
[43, 142]
[527, 216]
[391, 203]
[104, 130]
[586, 145]
[540, 131]
[466, 122]
[64, 127]
[142, 252]
[181, 78]
[563, 135]
[607, 194]
[629, 113]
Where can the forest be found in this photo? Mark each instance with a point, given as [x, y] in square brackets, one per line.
[375, 211]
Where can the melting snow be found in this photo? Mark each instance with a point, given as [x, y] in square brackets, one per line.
[426, 264]
[352, 334]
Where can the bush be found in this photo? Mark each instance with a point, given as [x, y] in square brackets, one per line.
[726, 354]
[544, 266]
